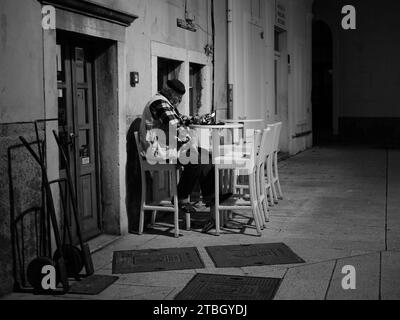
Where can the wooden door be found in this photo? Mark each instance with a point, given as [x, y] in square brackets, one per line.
[77, 126]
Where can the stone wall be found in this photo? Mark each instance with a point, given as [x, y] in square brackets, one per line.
[26, 179]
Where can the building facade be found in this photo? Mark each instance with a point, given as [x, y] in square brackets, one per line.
[91, 71]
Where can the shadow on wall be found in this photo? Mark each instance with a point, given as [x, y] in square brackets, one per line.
[133, 180]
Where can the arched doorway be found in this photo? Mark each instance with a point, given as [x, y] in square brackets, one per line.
[322, 99]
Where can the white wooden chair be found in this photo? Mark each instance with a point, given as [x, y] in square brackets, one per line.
[276, 151]
[264, 186]
[273, 164]
[269, 168]
[163, 206]
[246, 163]
[266, 145]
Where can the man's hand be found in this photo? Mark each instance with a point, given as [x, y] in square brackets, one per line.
[183, 136]
[207, 119]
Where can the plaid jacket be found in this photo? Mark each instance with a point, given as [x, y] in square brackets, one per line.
[169, 115]
[159, 114]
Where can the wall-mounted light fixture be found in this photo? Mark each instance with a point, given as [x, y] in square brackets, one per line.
[208, 50]
[134, 78]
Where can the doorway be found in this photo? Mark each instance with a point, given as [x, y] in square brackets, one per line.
[322, 87]
[77, 126]
[281, 86]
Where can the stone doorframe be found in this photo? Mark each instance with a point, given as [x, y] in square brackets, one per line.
[87, 18]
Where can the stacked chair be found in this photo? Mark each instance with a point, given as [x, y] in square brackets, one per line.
[247, 162]
[266, 185]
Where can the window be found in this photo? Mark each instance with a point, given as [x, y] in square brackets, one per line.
[167, 69]
[276, 40]
[192, 68]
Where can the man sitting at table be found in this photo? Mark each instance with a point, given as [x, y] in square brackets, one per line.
[161, 115]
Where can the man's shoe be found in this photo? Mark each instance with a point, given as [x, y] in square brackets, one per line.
[187, 207]
[208, 226]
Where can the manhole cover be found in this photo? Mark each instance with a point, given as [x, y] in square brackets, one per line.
[252, 255]
[224, 287]
[134, 261]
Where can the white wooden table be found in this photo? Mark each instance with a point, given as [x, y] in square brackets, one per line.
[204, 134]
[255, 124]
[243, 121]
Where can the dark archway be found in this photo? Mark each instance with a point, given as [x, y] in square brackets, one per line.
[322, 85]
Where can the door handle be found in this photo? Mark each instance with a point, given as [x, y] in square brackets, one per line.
[72, 137]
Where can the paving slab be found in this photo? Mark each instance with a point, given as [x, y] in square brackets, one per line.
[155, 279]
[367, 269]
[265, 271]
[134, 292]
[393, 201]
[308, 282]
[390, 276]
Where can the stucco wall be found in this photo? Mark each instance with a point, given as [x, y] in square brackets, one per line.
[21, 61]
[254, 87]
[157, 22]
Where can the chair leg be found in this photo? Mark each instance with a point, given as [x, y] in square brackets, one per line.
[141, 220]
[143, 203]
[188, 225]
[254, 203]
[271, 195]
[274, 195]
[153, 217]
[259, 197]
[176, 219]
[270, 182]
[259, 201]
[235, 176]
[264, 195]
[217, 221]
[176, 205]
[277, 176]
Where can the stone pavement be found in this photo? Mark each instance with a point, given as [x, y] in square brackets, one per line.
[341, 207]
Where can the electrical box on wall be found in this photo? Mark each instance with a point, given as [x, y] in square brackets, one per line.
[134, 78]
[186, 24]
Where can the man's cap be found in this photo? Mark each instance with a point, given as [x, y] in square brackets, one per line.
[177, 86]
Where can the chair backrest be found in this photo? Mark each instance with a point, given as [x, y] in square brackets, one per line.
[257, 138]
[278, 129]
[139, 150]
[273, 127]
[266, 144]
